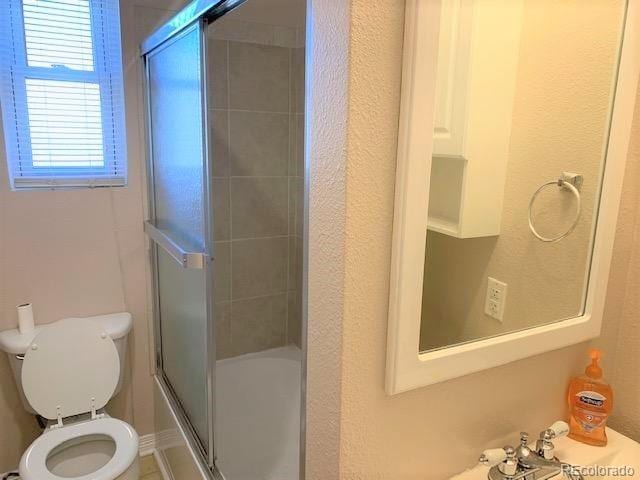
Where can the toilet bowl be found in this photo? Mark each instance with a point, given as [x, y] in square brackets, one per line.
[69, 372]
[100, 449]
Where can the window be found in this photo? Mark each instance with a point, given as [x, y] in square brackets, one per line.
[61, 93]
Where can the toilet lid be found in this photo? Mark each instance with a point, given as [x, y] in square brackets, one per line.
[70, 368]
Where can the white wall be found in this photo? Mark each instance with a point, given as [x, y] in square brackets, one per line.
[432, 432]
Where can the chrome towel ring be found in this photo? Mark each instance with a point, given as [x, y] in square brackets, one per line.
[571, 182]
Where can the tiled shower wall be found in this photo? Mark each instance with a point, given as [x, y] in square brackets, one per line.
[256, 80]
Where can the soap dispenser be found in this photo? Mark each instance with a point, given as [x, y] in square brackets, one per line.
[590, 401]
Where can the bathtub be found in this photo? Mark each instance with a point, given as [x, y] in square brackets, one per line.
[258, 415]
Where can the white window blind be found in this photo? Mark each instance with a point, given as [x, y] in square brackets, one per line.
[61, 93]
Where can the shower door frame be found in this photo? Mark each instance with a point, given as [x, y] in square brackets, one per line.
[197, 15]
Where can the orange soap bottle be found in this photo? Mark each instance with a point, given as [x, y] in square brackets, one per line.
[590, 403]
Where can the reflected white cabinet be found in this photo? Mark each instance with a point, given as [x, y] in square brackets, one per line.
[452, 77]
[473, 112]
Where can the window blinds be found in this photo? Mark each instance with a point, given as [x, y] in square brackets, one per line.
[61, 92]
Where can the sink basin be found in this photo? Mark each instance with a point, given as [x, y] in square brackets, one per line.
[621, 452]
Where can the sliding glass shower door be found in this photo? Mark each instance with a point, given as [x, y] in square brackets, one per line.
[228, 300]
[180, 226]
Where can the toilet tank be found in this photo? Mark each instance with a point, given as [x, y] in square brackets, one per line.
[15, 345]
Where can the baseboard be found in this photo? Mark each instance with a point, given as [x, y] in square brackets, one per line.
[147, 444]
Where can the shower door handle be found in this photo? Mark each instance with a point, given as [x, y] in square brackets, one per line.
[194, 260]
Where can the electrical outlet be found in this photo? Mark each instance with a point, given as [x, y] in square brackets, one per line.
[496, 298]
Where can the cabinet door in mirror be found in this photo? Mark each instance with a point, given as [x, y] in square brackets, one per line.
[524, 96]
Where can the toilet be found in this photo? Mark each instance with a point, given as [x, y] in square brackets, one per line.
[66, 372]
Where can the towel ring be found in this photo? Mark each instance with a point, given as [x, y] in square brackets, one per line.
[562, 184]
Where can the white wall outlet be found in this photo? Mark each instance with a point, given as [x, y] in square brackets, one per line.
[496, 298]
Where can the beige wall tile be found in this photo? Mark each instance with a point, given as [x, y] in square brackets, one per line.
[292, 167]
[217, 74]
[293, 189]
[256, 141]
[299, 145]
[258, 77]
[294, 310]
[259, 267]
[230, 28]
[298, 77]
[221, 209]
[222, 271]
[219, 130]
[291, 268]
[222, 314]
[299, 202]
[299, 263]
[259, 143]
[294, 318]
[295, 263]
[259, 207]
[258, 323]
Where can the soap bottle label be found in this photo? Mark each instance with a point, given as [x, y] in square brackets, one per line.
[592, 399]
[587, 413]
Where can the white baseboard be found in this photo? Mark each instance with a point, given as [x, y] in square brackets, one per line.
[147, 444]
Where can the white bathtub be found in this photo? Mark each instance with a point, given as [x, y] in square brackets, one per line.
[258, 415]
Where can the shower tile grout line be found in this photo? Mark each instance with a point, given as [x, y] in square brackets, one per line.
[229, 161]
[255, 297]
[289, 145]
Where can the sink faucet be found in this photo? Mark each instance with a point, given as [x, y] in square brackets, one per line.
[525, 463]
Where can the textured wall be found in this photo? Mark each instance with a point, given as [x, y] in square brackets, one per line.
[432, 432]
[621, 334]
[325, 156]
[81, 252]
[560, 115]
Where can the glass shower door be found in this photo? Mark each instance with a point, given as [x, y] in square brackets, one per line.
[180, 228]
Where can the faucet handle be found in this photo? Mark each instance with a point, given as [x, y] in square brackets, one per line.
[493, 456]
[505, 458]
[544, 445]
[559, 429]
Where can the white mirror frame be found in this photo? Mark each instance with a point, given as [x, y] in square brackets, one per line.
[406, 367]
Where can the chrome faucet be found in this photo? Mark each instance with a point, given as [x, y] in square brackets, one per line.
[525, 463]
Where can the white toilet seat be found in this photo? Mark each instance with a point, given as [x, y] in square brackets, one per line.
[33, 465]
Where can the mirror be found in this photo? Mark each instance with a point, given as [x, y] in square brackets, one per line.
[523, 105]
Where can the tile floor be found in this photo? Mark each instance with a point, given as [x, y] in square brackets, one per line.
[149, 468]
